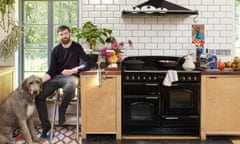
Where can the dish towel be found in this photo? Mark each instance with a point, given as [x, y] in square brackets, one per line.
[170, 77]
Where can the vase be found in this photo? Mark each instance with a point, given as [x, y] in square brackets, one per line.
[112, 66]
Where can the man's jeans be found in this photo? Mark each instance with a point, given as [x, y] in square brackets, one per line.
[68, 84]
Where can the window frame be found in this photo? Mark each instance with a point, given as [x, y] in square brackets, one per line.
[50, 24]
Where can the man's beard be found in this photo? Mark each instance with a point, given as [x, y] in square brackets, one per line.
[65, 41]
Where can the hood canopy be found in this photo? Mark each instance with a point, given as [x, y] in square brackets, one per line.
[158, 7]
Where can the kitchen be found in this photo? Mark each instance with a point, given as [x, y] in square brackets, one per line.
[168, 35]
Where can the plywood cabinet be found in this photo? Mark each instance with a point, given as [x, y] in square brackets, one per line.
[100, 104]
[6, 81]
[220, 105]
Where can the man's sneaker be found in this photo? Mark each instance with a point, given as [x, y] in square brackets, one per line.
[45, 131]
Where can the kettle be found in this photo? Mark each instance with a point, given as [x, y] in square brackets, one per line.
[188, 64]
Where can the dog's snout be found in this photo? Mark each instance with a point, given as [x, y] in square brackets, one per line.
[35, 92]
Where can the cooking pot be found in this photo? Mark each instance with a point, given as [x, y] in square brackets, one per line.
[134, 64]
[167, 63]
[171, 64]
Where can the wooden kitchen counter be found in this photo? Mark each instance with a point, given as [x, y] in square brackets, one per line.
[220, 103]
[220, 72]
[6, 81]
[100, 103]
[6, 69]
[107, 72]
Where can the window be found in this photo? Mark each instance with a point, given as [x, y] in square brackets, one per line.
[41, 19]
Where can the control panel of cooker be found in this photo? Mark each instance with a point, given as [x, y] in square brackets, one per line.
[156, 77]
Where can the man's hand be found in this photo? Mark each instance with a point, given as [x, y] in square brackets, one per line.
[68, 72]
[45, 78]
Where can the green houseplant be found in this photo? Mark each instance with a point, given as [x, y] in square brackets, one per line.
[9, 44]
[6, 7]
[92, 34]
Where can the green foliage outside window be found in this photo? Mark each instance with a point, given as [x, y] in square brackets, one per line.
[36, 44]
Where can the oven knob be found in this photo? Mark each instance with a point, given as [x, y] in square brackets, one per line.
[138, 78]
[149, 78]
[195, 78]
[144, 78]
[155, 78]
[126, 77]
[132, 78]
[189, 78]
[183, 78]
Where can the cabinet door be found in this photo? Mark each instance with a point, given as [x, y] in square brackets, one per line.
[223, 105]
[100, 105]
[6, 85]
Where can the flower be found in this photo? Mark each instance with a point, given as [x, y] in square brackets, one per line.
[113, 51]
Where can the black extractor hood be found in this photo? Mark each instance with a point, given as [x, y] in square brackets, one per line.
[157, 8]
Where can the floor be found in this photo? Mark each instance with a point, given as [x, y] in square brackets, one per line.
[66, 135]
[101, 139]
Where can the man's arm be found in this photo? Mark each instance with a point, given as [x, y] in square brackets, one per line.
[46, 77]
[74, 70]
[53, 63]
[84, 61]
[67, 72]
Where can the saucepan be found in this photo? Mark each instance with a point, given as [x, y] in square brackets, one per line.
[171, 64]
[134, 64]
[168, 63]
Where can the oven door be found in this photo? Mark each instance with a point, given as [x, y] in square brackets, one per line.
[141, 111]
[140, 104]
[181, 99]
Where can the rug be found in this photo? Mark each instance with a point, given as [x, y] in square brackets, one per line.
[62, 135]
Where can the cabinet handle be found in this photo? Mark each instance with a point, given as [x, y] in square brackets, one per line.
[107, 77]
[212, 77]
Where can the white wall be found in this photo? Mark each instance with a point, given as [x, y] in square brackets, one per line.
[165, 35]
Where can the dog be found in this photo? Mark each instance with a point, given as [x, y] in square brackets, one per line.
[17, 111]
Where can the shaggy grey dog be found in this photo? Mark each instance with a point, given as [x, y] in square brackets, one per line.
[17, 111]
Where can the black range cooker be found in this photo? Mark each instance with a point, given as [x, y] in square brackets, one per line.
[151, 108]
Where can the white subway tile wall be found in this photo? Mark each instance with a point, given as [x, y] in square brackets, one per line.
[165, 35]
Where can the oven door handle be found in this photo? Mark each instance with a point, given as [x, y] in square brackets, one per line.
[151, 84]
[175, 85]
[152, 97]
[170, 118]
[178, 84]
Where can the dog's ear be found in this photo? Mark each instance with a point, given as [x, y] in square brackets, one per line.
[24, 85]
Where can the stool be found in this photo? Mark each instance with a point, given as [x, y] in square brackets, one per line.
[57, 101]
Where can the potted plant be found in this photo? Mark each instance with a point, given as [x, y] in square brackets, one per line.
[6, 8]
[9, 44]
[93, 35]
